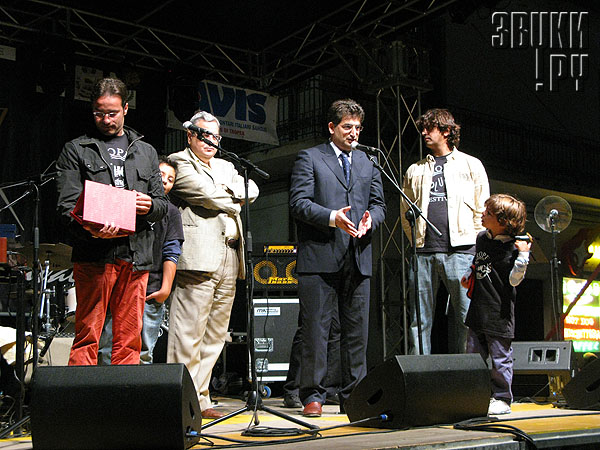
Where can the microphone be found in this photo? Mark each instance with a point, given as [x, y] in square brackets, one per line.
[364, 148]
[199, 131]
[524, 237]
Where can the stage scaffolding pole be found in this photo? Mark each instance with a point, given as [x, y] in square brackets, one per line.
[398, 105]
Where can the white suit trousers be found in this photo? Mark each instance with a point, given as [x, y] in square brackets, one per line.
[199, 317]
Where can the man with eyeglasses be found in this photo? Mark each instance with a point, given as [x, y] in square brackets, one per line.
[210, 194]
[336, 197]
[110, 270]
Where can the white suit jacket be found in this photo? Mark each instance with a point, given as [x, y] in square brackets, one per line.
[205, 199]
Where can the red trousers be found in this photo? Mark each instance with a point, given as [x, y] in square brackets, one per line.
[99, 286]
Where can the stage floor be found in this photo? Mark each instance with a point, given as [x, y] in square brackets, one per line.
[547, 426]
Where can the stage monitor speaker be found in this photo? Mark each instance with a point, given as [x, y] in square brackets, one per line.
[151, 406]
[549, 358]
[422, 390]
[583, 391]
[542, 367]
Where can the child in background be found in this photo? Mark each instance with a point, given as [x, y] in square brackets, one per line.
[168, 239]
[499, 265]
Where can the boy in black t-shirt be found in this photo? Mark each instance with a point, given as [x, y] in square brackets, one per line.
[499, 265]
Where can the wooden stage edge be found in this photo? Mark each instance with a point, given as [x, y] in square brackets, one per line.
[548, 427]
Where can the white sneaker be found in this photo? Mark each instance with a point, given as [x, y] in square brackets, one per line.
[498, 407]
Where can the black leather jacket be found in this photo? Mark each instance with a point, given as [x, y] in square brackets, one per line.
[81, 160]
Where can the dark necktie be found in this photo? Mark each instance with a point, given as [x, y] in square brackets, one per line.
[345, 166]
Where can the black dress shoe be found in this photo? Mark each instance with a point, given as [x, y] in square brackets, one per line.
[291, 401]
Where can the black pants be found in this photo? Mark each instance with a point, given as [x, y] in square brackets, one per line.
[333, 379]
[322, 297]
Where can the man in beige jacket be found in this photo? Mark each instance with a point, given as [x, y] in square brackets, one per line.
[450, 187]
[210, 194]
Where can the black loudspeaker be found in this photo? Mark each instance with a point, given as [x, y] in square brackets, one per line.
[422, 390]
[150, 406]
[583, 391]
[551, 358]
[540, 363]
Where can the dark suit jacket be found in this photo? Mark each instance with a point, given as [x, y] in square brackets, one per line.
[317, 187]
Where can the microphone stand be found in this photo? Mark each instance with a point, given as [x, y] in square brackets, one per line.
[34, 188]
[412, 214]
[555, 281]
[254, 401]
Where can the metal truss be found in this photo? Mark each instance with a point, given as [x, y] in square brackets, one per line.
[89, 35]
[360, 37]
[397, 110]
[353, 28]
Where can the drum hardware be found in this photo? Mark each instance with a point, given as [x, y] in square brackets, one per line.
[31, 187]
[47, 338]
[59, 254]
[47, 294]
[58, 300]
[70, 304]
[164, 326]
[62, 330]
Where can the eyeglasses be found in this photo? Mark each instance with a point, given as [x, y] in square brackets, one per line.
[101, 115]
[348, 127]
[213, 137]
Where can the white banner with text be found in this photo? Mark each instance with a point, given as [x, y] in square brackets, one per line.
[243, 113]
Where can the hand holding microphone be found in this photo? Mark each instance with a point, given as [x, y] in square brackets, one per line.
[524, 237]
[523, 242]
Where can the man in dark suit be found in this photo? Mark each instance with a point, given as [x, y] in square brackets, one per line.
[337, 200]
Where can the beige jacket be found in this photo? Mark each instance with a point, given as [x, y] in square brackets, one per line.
[467, 189]
[206, 198]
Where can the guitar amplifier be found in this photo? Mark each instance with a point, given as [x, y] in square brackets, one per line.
[275, 268]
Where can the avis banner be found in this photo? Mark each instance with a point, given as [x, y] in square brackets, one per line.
[243, 113]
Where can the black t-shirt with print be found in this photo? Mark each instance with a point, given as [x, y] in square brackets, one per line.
[437, 211]
[492, 308]
[115, 152]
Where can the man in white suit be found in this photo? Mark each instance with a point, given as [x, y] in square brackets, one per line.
[210, 194]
